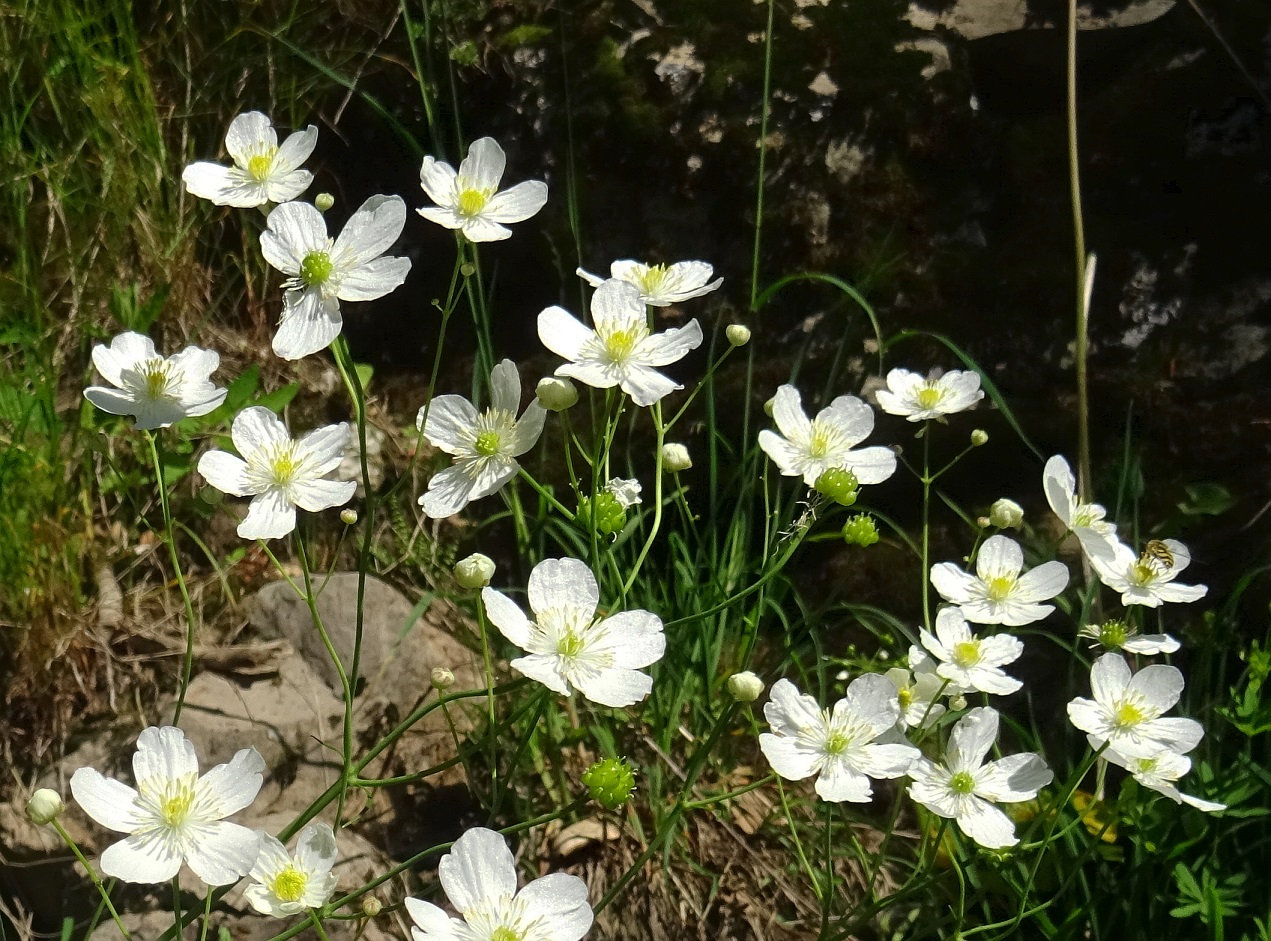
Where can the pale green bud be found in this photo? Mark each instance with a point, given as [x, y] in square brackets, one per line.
[957, 703]
[769, 406]
[738, 335]
[44, 806]
[556, 394]
[839, 484]
[979, 437]
[745, 686]
[348, 516]
[324, 201]
[371, 906]
[675, 458]
[475, 571]
[1006, 514]
[860, 530]
[610, 782]
[441, 678]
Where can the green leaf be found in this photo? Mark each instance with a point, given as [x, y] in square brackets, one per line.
[1207, 498]
[364, 373]
[277, 400]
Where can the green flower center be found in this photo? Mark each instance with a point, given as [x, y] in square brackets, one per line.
[283, 467]
[929, 397]
[962, 783]
[1127, 715]
[176, 804]
[1113, 634]
[1143, 572]
[258, 167]
[289, 885]
[999, 588]
[487, 443]
[504, 933]
[316, 268]
[472, 201]
[906, 697]
[836, 743]
[620, 344]
[570, 645]
[966, 653]
[158, 376]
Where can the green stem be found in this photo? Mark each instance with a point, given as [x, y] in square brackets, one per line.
[925, 574]
[178, 924]
[484, 625]
[207, 914]
[1079, 240]
[657, 501]
[92, 874]
[169, 537]
[763, 154]
[317, 925]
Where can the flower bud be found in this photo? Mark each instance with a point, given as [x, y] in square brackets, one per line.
[738, 334]
[839, 484]
[371, 906]
[957, 703]
[625, 491]
[675, 458]
[44, 806]
[605, 514]
[860, 530]
[323, 201]
[609, 782]
[769, 406]
[475, 571]
[348, 516]
[1006, 514]
[979, 437]
[556, 394]
[442, 678]
[745, 687]
[467, 269]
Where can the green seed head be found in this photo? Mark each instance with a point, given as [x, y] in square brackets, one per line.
[487, 443]
[316, 268]
[962, 783]
[839, 484]
[610, 782]
[860, 530]
[605, 514]
[1113, 634]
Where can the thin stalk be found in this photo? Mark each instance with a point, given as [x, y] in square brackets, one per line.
[169, 537]
[763, 155]
[925, 574]
[1079, 244]
[657, 501]
[178, 924]
[317, 925]
[92, 874]
[484, 625]
[207, 914]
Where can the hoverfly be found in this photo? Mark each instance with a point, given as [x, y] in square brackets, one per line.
[1158, 550]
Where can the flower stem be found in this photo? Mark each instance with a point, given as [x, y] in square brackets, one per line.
[764, 111]
[484, 624]
[317, 925]
[92, 874]
[207, 914]
[169, 537]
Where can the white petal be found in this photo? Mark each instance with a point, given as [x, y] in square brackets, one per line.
[295, 150]
[479, 868]
[972, 737]
[953, 584]
[1000, 556]
[1042, 583]
[871, 701]
[558, 900]
[871, 465]
[256, 429]
[1013, 779]
[1060, 487]
[646, 386]
[790, 759]
[309, 323]
[589, 373]
[1208, 807]
[528, 429]
[1160, 684]
[271, 857]
[853, 418]
[163, 753]
[225, 472]
[1000, 649]
[1088, 716]
[374, 278]
[284, 186]
[452, 420]
[270, 516]
[616, 305]
[886, 760]
[249, 133]
[232, 786]
[593, 279]
[370, 231]
[111, 803]
[951, 628]
[1177, 734]
[443, 217]
[483, 167]
[322, 449]
[562, 333]
[1109, 675]
[516, 204]
[143, 858]
[449, 491]
[438, 181]
[1174, 593]
[317, 495]
[790, 712]
[555, 583]
[636, 638]
[507, 616]
[223, 853]
[223, 186]
[1151, 644]
[614, 687]
[433, 923]
[787, 412]
[993, 681]
[316, 849]
[481, 229]
[293, 231]
[987, 825]
[784, 454]
[670, 346]
[505, 387]
[126, 351]
[838, 782]
[545, 669]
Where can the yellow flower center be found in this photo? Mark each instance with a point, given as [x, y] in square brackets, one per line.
[650, 282]
[569, 645]
[836, 743]
[472, 201]
[620, 344]
[906, 697]
[1143, 572]
[176, 804]
[929, 396]
[258, 167]
[158, 375]
[966, 653]
[316, 268]
[283, 466]
[487, 443]
[504, 933]
[289, 885]
[962, 783]
[999, 588]
[1127, 716]
[1146, 765]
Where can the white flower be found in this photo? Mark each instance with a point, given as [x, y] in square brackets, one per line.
[155, 390]
[917, 691]
[626, 492]
[323, 271]
[621, 351]
[660, 285]
[962, 786]
[675, 458]
[1159, 772]
[1117, 635]
[745, 686]
[479, 878]
[287, 886]
[279, 473]
[966, 661]
[556, 394]
[808, 448]
[1148, 578]
[842, 745]
[1127, 711]
[918, 399]
[485, 445]
[262, 173]
[470, 200]
[997, 593]
[1085, 520]
[1006, 514]
[173, 815]
[569, 646]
